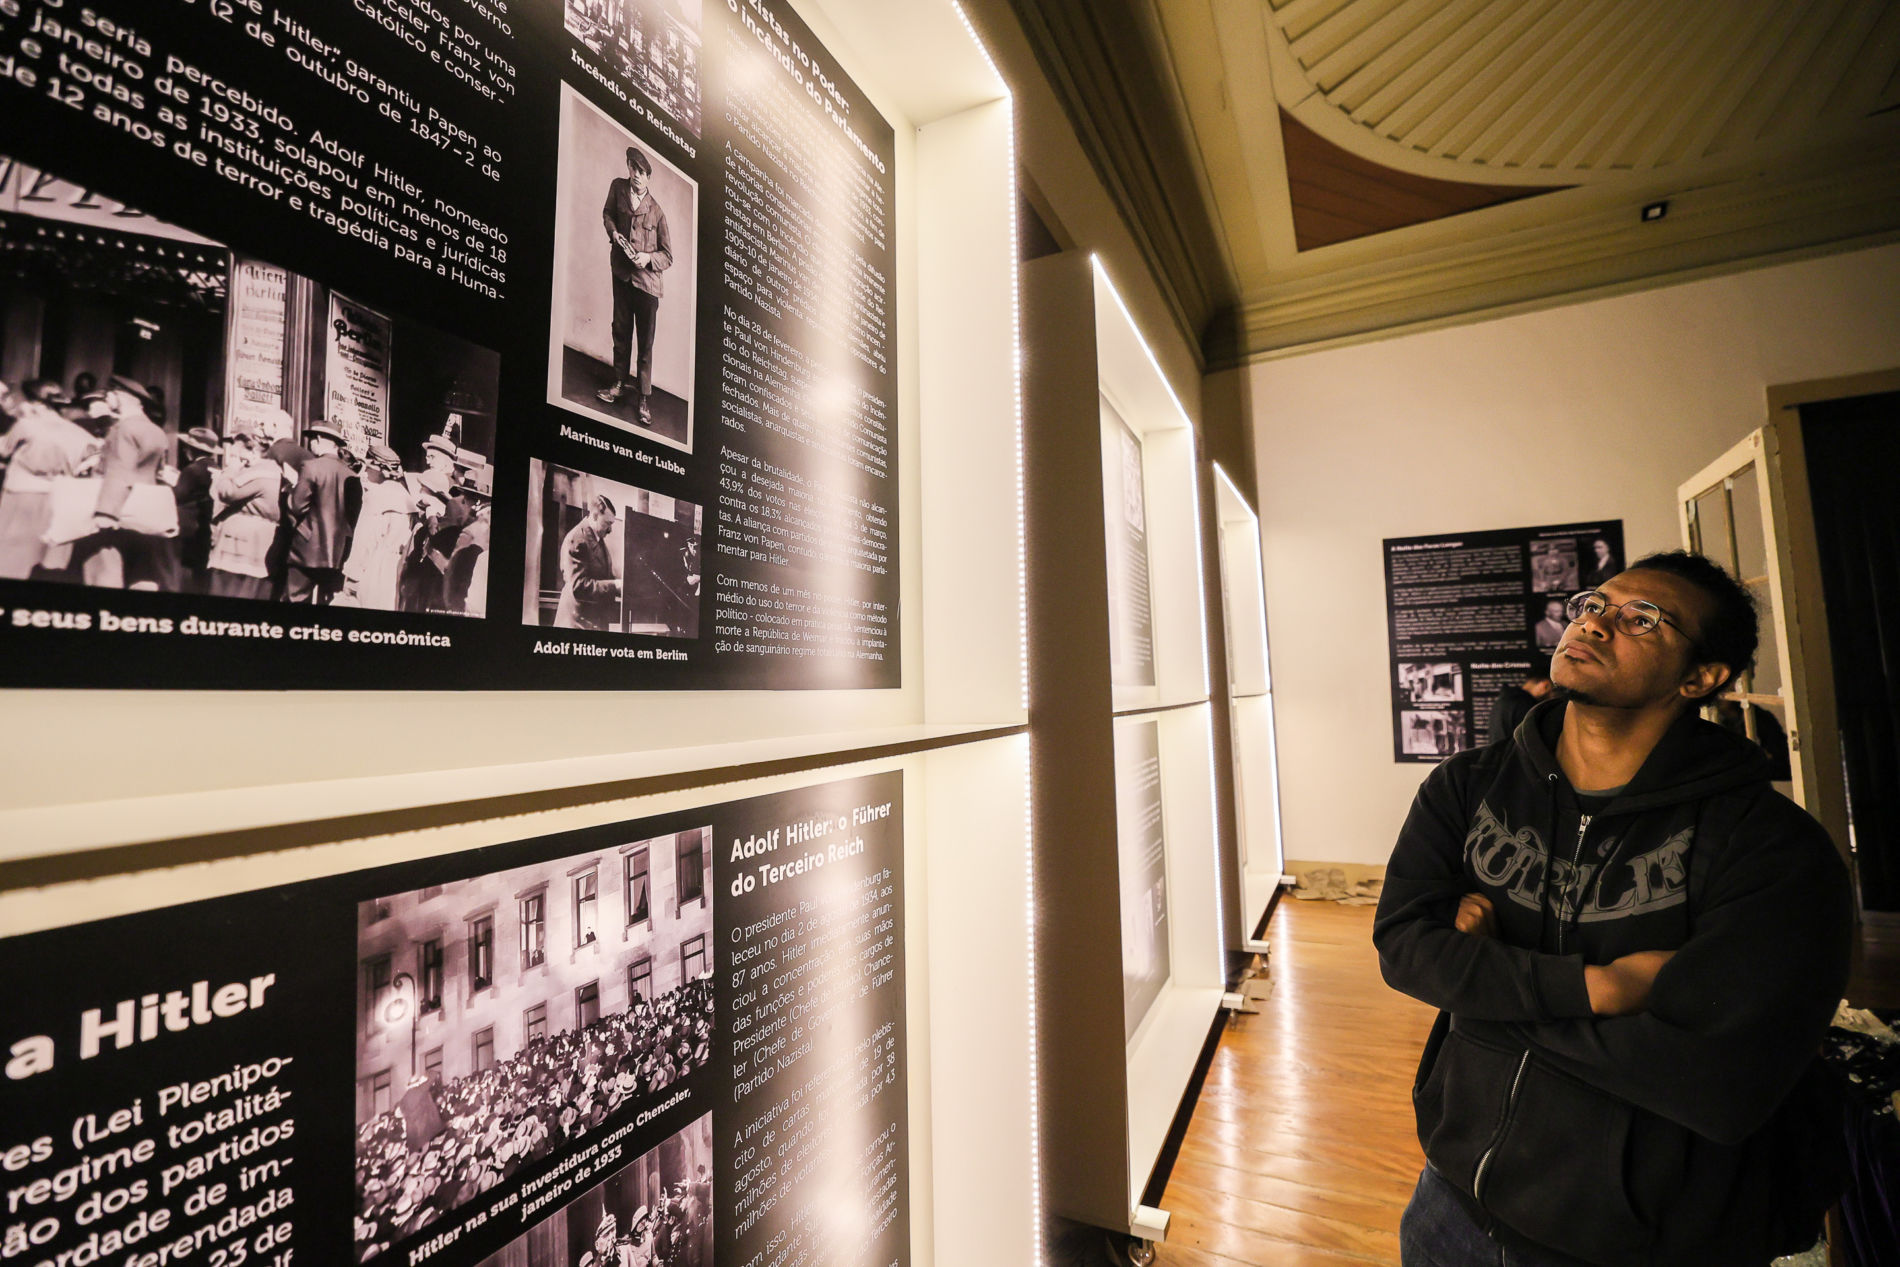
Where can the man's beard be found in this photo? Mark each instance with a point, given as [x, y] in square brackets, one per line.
[1571, 694]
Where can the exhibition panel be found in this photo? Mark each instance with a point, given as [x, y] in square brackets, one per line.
[710, 1015]
[1472, 614]
[1170, 762]
[1130, 821]
[1151, 518]
[573, 320]
[785, 153]
[1250, 704]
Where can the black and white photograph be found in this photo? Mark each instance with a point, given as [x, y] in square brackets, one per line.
[1432, 682]
[608, 556]
[657, 1211]
[650, 45]
[625, 280]
[1548, 622]
[181, 417]
[1600, 562]
[1432, 732]
[1554, 566]
[502, 1018]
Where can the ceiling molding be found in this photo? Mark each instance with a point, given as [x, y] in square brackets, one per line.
[1741, 223]
[1772, 127]
[1116, 87]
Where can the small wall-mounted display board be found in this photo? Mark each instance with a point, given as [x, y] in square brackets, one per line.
[679, 1038]
[551, 346]
[1471, 614]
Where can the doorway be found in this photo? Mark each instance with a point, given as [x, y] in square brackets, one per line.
[1853, 448]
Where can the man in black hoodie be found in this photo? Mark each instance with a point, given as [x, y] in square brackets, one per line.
[1636, 946]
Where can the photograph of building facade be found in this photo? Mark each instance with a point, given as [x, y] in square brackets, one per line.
[459, 977]
[506, 1016]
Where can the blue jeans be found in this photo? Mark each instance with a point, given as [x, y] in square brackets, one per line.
[1437, 1231]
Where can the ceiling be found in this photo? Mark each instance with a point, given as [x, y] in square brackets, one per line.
[1302, 172]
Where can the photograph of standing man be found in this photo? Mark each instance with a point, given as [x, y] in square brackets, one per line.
[322, 507]
[590, 592]
[642, 249]
[130, 466]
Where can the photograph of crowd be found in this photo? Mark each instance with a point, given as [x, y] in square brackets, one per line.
[656, 1212]
[1432, 682]
[1432, 733]
[626, 262]
[182, 418]
[506, 1016]
[1554, 566]
[652, 45]
[609, 556]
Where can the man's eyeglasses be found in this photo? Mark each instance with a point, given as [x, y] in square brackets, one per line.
[1637, 618]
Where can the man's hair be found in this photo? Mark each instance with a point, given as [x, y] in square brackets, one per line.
[1732, 629]
[635, 158]
[601, 506]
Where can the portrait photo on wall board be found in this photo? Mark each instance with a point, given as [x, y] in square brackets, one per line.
[1600, 562]
[1548, 620]
[1554, 566]
[609, 556]
[166, 436]
[626, 265]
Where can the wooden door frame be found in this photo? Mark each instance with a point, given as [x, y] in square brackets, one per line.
[1794, 583]
[1816, 652]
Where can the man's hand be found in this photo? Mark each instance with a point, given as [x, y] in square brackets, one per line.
[1476, 916]
[1621, 987]
[642, 259]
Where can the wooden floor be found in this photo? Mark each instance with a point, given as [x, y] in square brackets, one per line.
[1301, 1152]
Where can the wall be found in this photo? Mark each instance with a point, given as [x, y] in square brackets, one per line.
[1593, 410]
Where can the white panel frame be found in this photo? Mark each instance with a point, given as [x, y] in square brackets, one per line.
[986, 1185]
[1163, 1052]
[1250, 687]
[1132, 382]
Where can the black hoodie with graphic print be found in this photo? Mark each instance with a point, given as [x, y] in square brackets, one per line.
[1686, 1134]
